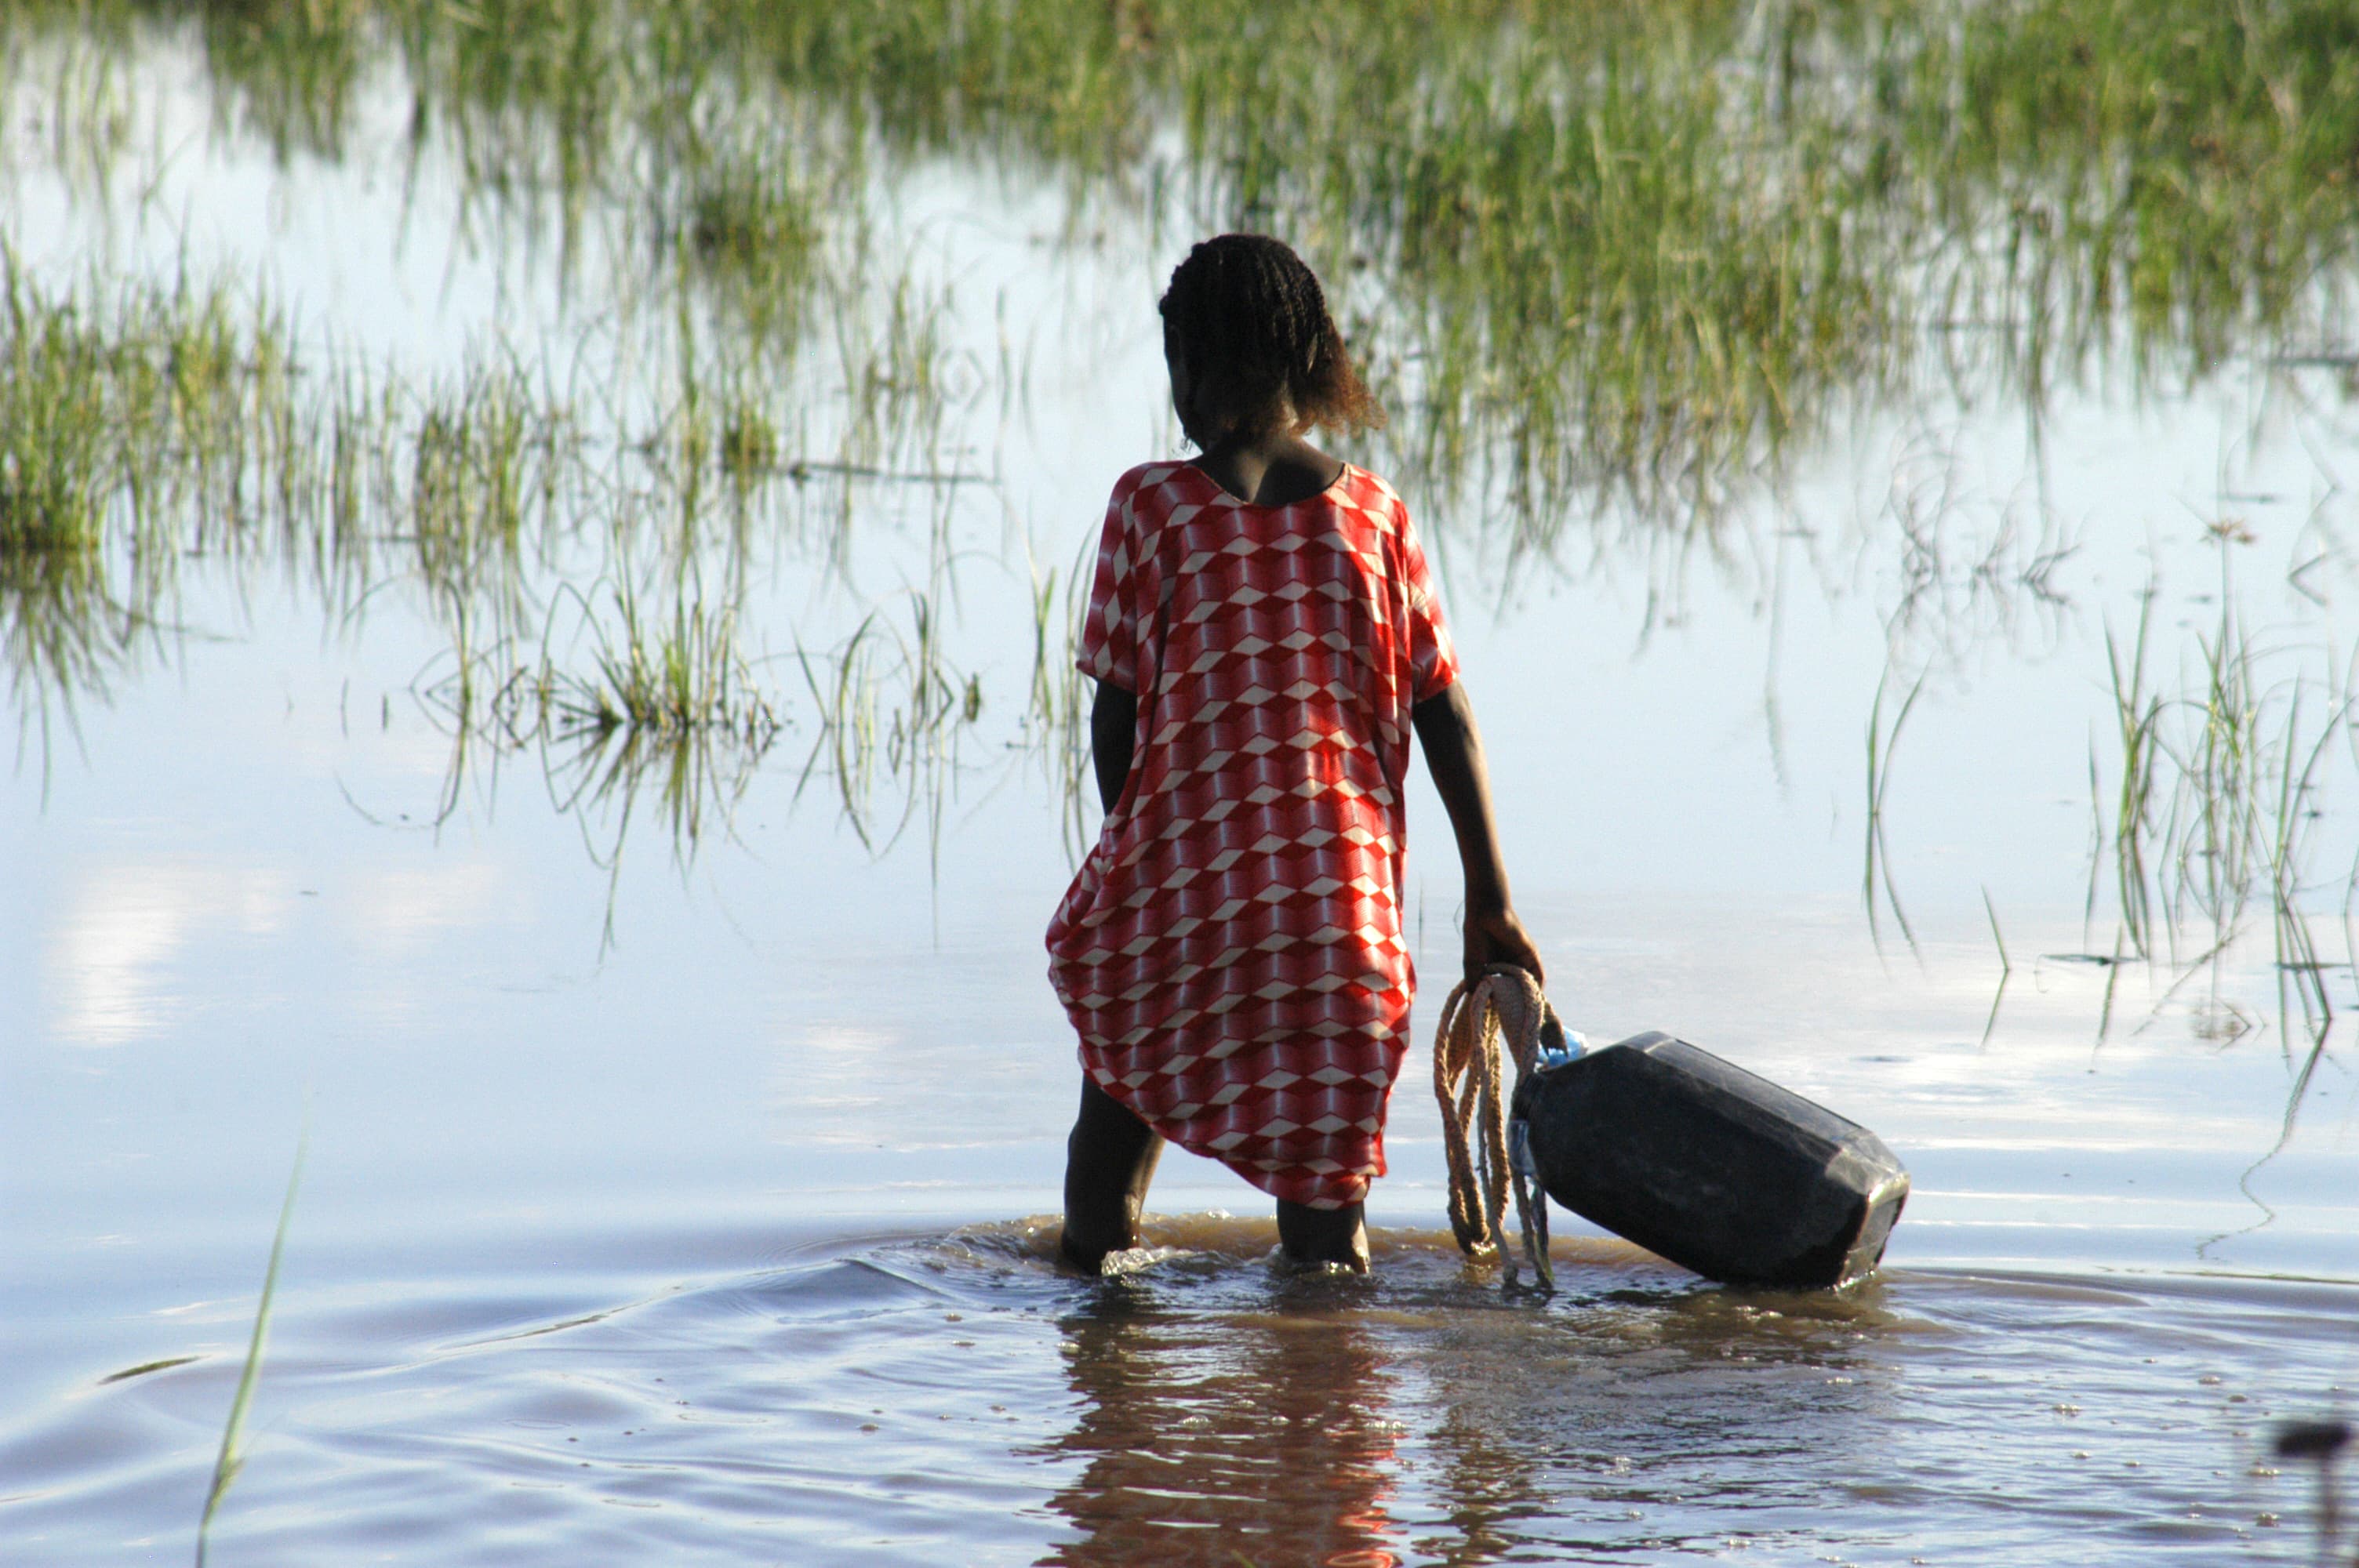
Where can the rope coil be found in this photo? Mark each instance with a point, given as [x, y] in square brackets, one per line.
[1489, 1149]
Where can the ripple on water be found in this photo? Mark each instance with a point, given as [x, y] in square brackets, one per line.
[959, 1398]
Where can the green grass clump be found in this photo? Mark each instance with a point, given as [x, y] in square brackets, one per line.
[665, 705]
[653, 676]
[889, 706]
[752, 241]
[294, 69]
[117, 405]
[749, 443]
[486, 460]
[672, 677]
[69, 406]
[2217, 791]
[137, 424]
[2184, 168]
[1614, 251]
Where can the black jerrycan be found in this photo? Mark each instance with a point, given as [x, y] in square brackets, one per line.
[1716, 1168]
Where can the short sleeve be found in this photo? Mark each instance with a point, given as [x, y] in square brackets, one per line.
[1432, 661]
[1111, 627]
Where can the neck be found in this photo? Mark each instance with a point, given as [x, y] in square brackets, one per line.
[1274, 468]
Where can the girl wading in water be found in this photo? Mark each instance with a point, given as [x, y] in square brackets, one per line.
[1264, 635]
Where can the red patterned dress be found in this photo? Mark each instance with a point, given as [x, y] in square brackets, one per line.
[1231, 950]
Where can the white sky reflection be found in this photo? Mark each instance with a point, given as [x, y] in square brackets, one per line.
[109, 955]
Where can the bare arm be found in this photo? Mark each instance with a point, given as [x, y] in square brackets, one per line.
[1113, 723]
[1453, 754]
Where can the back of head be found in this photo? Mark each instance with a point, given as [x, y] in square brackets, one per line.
[1251, 321]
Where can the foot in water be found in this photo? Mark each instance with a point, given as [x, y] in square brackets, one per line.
[1337, 1236]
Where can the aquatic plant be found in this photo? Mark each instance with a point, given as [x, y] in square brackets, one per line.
[889, 705]
[653, 677]
[751, 240]
[2135, 714]
[292, 71]
[664, 678]
[1610, 261]
[144, 425]
[615, 704]
[2217, 796]
[1057, 716]
[890, 354]
[1610, 254]
[232, 1457]
[131, 399]
[483, 458]
[1881, 740]
[136, 423]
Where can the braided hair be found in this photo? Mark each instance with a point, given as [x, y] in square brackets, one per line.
[1251, 321]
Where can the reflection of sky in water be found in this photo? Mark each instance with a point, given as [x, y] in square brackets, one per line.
[1675, 725]
[133, 939]
[882, 1400]
[124, 929]
[237, 886]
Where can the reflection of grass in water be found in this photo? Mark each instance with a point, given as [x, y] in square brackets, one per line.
[888, 707]
[136, 425]
[483, 455]
[666, 706]
[1881, 740]
[1617, 247]
[2216, 799]
[751, 240]
[57, 633]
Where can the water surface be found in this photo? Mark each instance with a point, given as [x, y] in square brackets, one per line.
[684, 1119]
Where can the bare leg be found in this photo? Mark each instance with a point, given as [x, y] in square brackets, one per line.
[1109, 1161]
[1308, 1235]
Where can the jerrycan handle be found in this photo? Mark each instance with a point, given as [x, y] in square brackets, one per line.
[1557, 1045]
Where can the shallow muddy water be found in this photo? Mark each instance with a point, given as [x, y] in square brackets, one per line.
[682, 1119]
[863, 1397]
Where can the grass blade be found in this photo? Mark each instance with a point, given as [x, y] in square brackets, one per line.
[232, 1457]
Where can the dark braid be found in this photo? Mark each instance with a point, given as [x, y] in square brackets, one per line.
[1251, 323]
